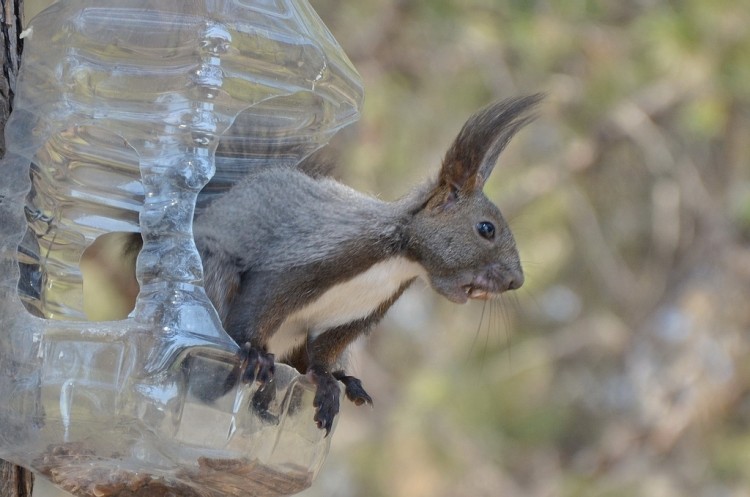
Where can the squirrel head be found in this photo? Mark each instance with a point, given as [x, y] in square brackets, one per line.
[458, 235]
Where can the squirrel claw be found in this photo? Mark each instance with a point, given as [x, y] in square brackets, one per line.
[257, 364]
[261, 402]
[353, 389]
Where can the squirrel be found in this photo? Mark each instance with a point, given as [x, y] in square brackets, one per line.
[299, 260]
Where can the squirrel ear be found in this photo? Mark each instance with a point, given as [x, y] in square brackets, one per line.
[470, 160]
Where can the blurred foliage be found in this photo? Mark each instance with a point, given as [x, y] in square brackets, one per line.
[620, 368]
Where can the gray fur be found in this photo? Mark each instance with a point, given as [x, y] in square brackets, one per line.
[277, 219]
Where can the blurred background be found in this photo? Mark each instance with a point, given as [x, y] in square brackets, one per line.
[620, 368]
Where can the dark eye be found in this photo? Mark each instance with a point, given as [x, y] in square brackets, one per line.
[486, 230]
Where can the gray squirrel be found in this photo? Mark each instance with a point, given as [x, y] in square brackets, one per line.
[302, 265]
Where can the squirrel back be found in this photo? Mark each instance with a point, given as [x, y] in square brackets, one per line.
[279, 218]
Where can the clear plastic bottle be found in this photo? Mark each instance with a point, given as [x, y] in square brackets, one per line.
[124, 110]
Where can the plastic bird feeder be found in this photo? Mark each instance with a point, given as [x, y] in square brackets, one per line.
[128, 116]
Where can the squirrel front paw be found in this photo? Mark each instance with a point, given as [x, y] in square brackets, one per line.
[326, 401]
[327, 393]
[353, 388]
[261, 402]
[257, 364]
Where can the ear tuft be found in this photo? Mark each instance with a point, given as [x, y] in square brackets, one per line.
[470, 160]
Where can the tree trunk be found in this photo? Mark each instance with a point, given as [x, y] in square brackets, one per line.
[15, 481]
[10, 56]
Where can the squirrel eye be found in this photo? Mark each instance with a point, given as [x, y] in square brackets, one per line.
[486, 230]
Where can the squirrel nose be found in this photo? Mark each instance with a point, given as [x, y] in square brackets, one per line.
[514, 279]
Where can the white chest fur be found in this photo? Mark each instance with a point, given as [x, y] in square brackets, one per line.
[345, 302]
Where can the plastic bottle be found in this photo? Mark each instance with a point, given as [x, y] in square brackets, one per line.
[124, 110]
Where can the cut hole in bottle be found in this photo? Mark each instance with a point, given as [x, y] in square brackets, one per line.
[109, 284]
[85, 182]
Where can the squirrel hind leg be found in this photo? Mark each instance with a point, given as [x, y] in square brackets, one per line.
[297, 358]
